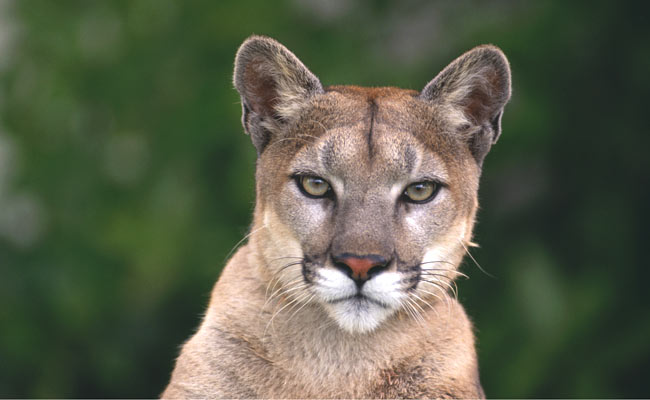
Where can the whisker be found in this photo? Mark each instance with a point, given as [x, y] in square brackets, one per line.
[421, 300]
[432, 274]
[299, 298]
[291, 286]
[436, 261]
[409, 309]
[425, 302]
[278, 312]
[291, 264]
[416, 304]
[284, 258]
[442, 289]
[311, 297]
[454, 288]
[473, 259]
[276, 279]
[416, 315]
[249, 234]
[431, 293]
[273, 281]
[432, 271]
[445, 295]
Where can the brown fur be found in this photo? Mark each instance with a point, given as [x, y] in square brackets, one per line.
[268, 332]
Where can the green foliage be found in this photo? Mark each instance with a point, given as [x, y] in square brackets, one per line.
[125, 180]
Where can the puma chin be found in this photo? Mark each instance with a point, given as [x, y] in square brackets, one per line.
[365, 203]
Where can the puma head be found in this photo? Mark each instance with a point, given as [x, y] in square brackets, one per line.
[366, 197]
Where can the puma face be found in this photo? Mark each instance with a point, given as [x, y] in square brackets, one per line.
[366, 197]
[376, 217]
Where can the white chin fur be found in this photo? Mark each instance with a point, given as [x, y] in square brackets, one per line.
[358, 315]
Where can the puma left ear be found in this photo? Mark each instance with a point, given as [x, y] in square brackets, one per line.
[273, 85]
[472, 92]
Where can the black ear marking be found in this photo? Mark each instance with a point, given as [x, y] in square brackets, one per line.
[273, 84]
[473, 91]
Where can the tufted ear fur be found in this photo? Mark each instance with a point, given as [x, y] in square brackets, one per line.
[472, 92]
[274, 86]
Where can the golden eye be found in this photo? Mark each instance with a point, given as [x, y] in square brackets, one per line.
[314, 186]
[421, 192]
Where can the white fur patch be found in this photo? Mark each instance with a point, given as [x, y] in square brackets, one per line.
[396, 190]
[386, 289]
[358, 315]
[333, 285]
[381, 296]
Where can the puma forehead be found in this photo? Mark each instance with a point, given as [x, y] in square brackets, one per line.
[384, 129]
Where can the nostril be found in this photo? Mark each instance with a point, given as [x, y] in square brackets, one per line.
[342, 267]
[377, 269]
[360, 268]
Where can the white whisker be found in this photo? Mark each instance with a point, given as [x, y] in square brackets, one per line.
[311, 297]
[242, 240]
[473, 259]
[278, 312]
[425, 302]
[454, 289]
[445, 296]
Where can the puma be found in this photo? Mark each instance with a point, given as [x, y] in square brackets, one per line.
[365, 204]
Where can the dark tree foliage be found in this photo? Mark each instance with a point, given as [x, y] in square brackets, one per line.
[126, 179]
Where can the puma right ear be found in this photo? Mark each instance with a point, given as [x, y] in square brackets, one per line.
[273, 85]
[472, 92]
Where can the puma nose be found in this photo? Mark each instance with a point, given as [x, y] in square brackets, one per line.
[360, 268]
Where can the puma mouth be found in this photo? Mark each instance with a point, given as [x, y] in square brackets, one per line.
[359, 297]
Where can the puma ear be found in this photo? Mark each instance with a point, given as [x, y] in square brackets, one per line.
[473, 90]
[274, 86]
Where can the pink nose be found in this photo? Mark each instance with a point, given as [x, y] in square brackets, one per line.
[359, 266]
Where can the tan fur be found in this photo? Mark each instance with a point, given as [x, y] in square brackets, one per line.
[267, 333]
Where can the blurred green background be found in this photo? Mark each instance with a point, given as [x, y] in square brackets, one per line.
[125, 180]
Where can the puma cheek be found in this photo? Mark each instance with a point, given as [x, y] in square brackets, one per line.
[279, 247]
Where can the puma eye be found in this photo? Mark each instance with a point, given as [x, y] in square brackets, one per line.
[313, 186]
[420, 192]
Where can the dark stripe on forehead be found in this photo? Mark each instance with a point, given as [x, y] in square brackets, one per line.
[327, 153]
[410, 158]
[373, 112]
